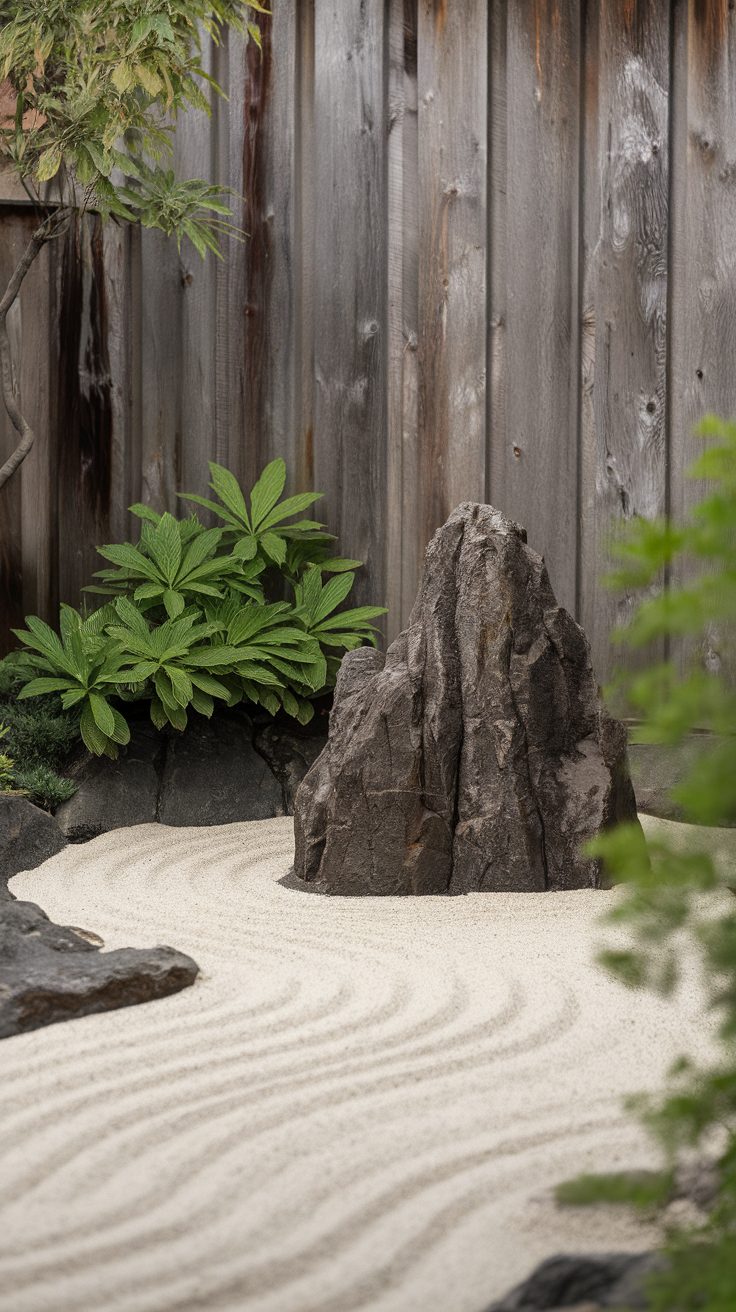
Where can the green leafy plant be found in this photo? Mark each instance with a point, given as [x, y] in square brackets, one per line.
[90, 93]
[261, 531]
[6, 763]
[190, 620]
[84, 666]
[685, 892]
[39, 735]
[43, 786]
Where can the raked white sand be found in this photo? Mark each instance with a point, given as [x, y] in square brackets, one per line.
[362, 1103]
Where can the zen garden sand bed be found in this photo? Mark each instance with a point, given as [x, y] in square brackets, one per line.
[362, 1103]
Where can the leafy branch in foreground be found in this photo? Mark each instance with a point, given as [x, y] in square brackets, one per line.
[684, 895]
[189, 620]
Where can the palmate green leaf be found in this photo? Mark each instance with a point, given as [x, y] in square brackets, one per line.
[181, 684]
[173, 602]
[339, 565]
[42, 686]
[128, 557]
[359, 617]
[274, 547]
[165, 545]
[207, 684]
[335, 591]
[132, 617]
[102, 714]
[227, 488]
[42, 639]
[267, 491]
[291, 506]
[246, 547]
[145, 512]
[158, 714]
[202, 703]
[95, 740]
[198, 551]
[213, 506]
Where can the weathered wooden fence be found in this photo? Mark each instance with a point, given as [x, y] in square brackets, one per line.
[491, 255]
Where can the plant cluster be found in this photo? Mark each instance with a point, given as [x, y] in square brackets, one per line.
[685, 894]
[194, 616]
[89, 95]
[37, 739]
[95, 87]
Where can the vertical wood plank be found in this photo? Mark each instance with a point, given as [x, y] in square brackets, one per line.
[305, 250]
[37, 475]
[452, 110]
[534, 283]
[160, 370]
[229, 435]
[83, 409]
[703, 298]
[194, 157]
[118, 280]
[23, 538]
[270, 109]
[404, 518]
[350, 312]
[624, 312]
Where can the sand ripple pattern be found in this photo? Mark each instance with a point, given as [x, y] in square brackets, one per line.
[363, 1103]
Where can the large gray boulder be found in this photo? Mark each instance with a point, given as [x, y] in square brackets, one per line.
[214, 776]
[115, 794]
[28, 836]
[479, 755]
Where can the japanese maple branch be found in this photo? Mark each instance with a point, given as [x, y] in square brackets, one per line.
[53, 226]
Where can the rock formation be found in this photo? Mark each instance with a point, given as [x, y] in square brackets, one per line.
[54, 972]
[478, 755]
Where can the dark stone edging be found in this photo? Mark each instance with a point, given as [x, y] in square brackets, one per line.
[589, 1280]
[221, 771]
[53, 972]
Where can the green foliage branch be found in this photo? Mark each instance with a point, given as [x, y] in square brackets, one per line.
[193, 617]
[681, 896]
[89, 95]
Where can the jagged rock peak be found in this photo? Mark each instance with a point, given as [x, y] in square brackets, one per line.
[478, 755]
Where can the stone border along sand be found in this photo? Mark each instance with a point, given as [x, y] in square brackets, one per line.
[362, 1102]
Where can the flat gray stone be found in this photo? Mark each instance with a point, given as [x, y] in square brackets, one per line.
[479, 756]
[115, 794]
[28, 837]
[214, 776]
[657, 768]
[50, 973]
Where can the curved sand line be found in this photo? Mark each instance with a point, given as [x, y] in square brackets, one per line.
[362, 1103]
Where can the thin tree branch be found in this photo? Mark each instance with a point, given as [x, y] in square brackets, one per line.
[53, 226]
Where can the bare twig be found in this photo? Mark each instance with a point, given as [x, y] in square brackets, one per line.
[53, 226]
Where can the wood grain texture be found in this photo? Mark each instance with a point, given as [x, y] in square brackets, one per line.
[452, 129]
[38, 473]
[82, 407]
[624, 309]
[535, 269]
[196, 313]
[404, 509]
[350, 302]
[159, 369]
[491, 254]
[270, 187]
[28, 325]
[703, 294]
